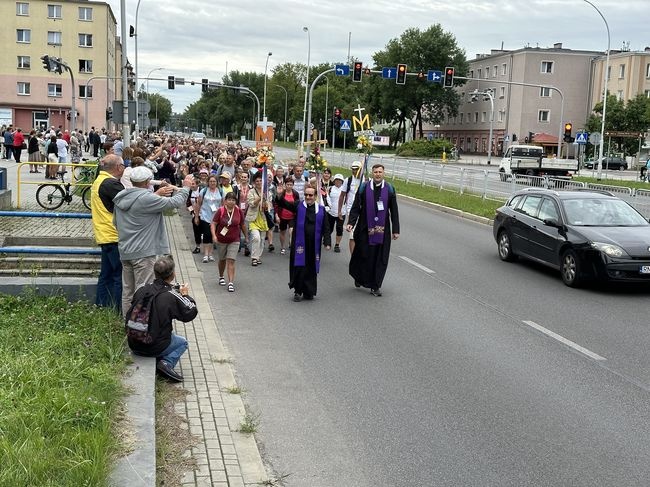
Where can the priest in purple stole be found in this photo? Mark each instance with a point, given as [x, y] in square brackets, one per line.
[310, 229]
[374, 212]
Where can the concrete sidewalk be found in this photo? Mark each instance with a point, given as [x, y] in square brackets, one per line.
[225, 457]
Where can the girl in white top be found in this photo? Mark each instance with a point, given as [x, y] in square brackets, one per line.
[210, 199]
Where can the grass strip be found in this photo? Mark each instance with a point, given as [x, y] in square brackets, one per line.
[60, 391]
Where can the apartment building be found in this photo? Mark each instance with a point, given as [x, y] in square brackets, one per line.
[628, 75]
[80, 32]
[550, 73]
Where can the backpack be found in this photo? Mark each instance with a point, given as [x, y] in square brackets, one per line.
[138, 317]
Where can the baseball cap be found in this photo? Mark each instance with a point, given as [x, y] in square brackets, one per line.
[141, 174]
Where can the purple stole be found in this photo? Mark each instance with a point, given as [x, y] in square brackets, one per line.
[299, 257]
[376, 219]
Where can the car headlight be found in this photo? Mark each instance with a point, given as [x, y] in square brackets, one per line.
[609, 249]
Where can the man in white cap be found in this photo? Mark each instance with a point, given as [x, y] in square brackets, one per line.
[348, 192]
[141, 228]
[332, 207]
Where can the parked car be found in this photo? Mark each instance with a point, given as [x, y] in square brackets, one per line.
[586, 235]
[198, 136]
[617, 163]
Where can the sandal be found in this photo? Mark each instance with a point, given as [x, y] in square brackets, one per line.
[254, 262]
[231, 287]
[222, 281]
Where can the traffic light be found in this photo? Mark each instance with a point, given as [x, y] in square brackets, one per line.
[449, 77]
[531, 136]
[357, 71]
[131, 31]
[57, 64]
[400, 79]
[171, 82]
[568, 127]
[421, 76]
[109, 114]
[46, 62]
[204, 85]
[336, 118]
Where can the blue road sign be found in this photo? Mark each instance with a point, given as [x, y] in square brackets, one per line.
[389, 73]
[434, 76]
[582, 138]
[342, 70]
[346, 125]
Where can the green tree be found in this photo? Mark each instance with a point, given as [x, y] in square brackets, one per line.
[159, 107]
[630, 116]
[417, 100]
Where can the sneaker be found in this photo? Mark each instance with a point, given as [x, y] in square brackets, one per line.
[165, 369]
[196, 251]
[271, 247]
[337, 248]
[231, 287]
[210, 258]
[376, 292]
[205, 259]
[297, 297]
[282, 251]
[222, 281]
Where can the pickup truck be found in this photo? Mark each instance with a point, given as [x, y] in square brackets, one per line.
[530, 160]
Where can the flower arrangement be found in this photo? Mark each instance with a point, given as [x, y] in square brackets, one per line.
[315, 162]
[364, 144]
[265, 156]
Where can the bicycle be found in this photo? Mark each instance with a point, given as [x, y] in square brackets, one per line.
[52, 196]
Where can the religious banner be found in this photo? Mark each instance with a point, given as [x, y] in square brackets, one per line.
[264, 134]
[361, 124]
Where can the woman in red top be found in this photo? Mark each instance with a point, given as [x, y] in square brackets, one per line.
[286, 216]
[19, 140]
[227, 224]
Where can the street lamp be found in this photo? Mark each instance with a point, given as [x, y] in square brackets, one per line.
[605, 79]
[266, 66]
[327, 94]
[285, 109]
[135, 34]
[304, 112]
[148, 76]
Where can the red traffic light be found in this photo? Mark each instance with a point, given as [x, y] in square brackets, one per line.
[400, 79]
[448, 82]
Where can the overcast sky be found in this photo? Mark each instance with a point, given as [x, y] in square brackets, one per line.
[197, 39]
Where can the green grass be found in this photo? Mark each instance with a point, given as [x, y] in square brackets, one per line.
[60, 391]
[249, 423]
[614, 182]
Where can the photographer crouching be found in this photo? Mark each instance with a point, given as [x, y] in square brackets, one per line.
[149, 328]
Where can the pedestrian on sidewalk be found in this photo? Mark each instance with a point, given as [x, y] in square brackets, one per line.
[256, 219]
[33, 152]
[165, 302]
[141, 229]
[310, 231]
[226, 227]
[105, 187]
[19, 144]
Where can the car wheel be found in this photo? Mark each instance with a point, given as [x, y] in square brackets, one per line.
[622, 167]
[570, 269]
[504, 245]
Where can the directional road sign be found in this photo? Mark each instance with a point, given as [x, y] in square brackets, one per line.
[346, 125]
[582, 137]
[434, 76]
[389, 73]
[342, 70]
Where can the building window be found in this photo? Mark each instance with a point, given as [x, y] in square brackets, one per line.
[502, 91]
[24, 62]
[647, 70]
[545, 92]
[502, 115]
[621, 71]
[471, 73]
[24, 88]
[487, 72]
[22, 8]
[476, 117]
[547, 67]
[85, 40]
[54, 89]
[544, 116]
[54, 38]
[54, 11]
[609, 73]
[469, 117]
[504, 69]
[619, 95]
[480, 74]
[483, 116]
[494, 71]
[85, 91]
[647, 93]
[24, 35]
[85, 66]
[85, 13]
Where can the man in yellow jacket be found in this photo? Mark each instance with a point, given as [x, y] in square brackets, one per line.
[106, 186]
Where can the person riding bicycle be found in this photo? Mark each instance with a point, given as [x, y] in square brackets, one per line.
[644, 171]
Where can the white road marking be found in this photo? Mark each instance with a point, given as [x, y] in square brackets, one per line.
[415, 264]
[566, 341]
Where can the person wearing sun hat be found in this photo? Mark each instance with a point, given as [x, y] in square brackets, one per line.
[141, 228]
[332, 207]
[348, 192]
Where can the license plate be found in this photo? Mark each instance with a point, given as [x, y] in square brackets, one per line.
[644, 269]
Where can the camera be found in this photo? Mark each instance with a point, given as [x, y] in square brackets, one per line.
[177, 286]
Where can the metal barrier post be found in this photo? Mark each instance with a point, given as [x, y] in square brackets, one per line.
[485, 181]
[408, 169]
[462, 180]
[424, 169]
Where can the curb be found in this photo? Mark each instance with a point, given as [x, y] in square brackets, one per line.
[445, 209]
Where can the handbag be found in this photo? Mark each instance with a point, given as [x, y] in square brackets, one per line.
[269, 219]
[23, 145]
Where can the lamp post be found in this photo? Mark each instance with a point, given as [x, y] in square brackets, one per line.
[304, 112]
[327, 94]
[135, 35]
[605, 80]
[286, 97]
[148, 76]
[266, 66]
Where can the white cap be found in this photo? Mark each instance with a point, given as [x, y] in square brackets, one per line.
[339, 177]
[356, 164]
[140, 174]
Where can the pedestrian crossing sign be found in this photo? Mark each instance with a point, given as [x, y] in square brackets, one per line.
[345, 125]
[582, 138]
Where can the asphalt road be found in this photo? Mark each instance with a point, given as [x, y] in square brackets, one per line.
[447, 378]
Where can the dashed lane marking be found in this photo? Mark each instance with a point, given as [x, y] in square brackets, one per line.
[416, 264]
[566, 341]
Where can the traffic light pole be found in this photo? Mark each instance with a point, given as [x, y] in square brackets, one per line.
[311, 94]
[516, 83]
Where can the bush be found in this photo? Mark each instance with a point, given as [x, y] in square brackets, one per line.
[425, 148]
